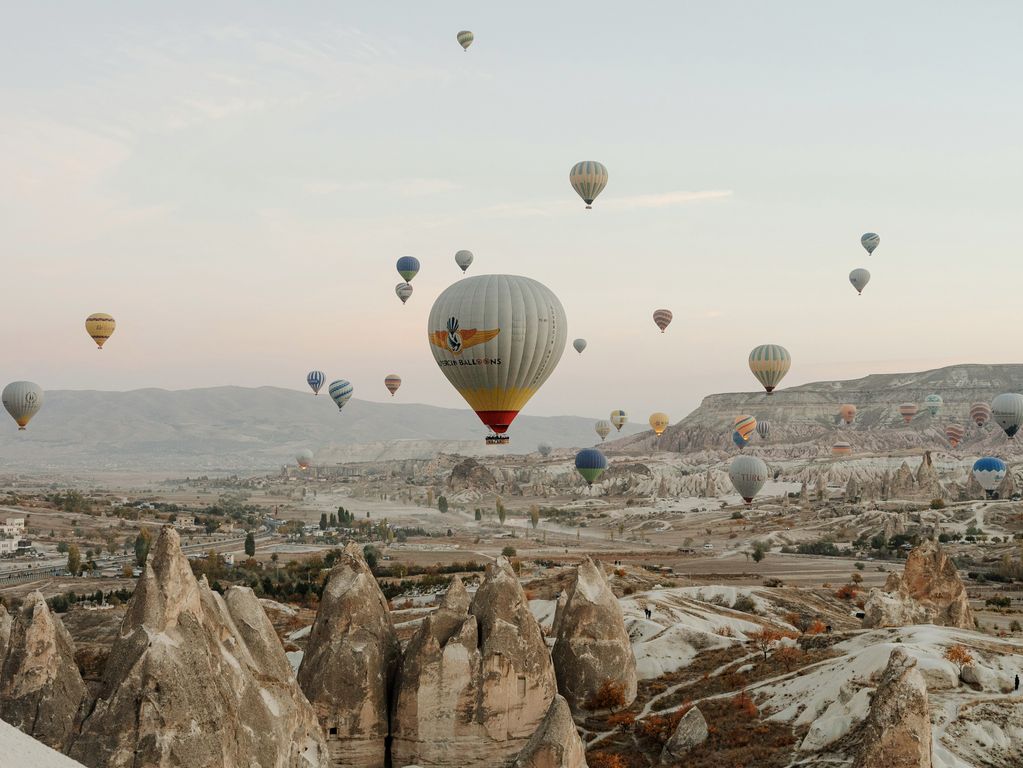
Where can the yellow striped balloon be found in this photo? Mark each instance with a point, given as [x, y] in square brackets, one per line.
[100, 326]
[745, 426]
[588, 179]
[392, 381]
[465, 38]
[769, 363]
[659, 422]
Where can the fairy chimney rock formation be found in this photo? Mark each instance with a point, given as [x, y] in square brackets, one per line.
[897, 731]
[41, 689]
[197, 679]
[556, 743]
[350, 662]
[592, 647]
[476, 681]
[929, 591]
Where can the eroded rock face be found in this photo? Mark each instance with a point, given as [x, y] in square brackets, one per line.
[690, 732]
[5, 632]
[196, 679]
[593, 646]
[41, 690]
[476, 680]
[350, 663]
[469, 474]
[897, 731]
[929, 591]
[556, 744]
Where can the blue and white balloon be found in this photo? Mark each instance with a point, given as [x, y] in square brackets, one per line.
[341, 392]
[315, 381]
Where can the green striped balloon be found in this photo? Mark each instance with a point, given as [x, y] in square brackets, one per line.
[588, 179]
[769, 363]
[465, 39]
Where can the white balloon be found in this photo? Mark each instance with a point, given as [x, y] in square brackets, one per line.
[22, 399]
[748, 474]
[859, 279]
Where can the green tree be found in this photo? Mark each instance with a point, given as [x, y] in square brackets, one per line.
[62, 547]
[534, 516]
[142, 544]
[501, 513]
[759, 551]
[250, 544]
[323, 521]
[332, 523]
[442, 504]
[74, 560]
[369, 552]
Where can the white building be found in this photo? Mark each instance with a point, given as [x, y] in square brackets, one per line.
[8, 546]
[13, 526]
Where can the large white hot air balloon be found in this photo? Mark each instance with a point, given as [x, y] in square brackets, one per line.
[22, 399]
[497, 338]
[1007, 411]
[603, 428]
[859, 279]
[748, 474]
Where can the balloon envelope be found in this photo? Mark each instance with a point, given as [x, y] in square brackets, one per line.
[588, 179]
[954, 433]
[341, 392]
[870, 241]
[933, 404]
[544, 449]
[315, 381]
[907, 411]
[590, 463]
[739, 440]
[463, 259]
[980, 413]
[662, 318]
[408, 267]
[748, 475]
[404, 291]
[769, 363]
[659, 422]
[304, 458]
[497, 338]
[603, 428]
[465, 38]
[392, 381]
[745, 426]
[841, 449]
[580, 345]
[859, 279]
[989, 472]
[619, 419]
[22, 399]
[763, 428]
[100, 326]
[848, 412]
[1007, 411]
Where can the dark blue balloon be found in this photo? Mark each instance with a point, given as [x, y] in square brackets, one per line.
[739, 440]
[590, 458]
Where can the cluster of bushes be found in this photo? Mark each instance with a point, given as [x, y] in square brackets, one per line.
[61, 603]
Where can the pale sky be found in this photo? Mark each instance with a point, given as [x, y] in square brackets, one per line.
[234, 181]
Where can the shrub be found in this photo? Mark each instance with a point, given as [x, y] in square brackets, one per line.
[629, 590]
[605, 760]
[816, 627]
[610, 695]
[1014, 626]
[858, 565]
[937, 503]
[846, 592]
[745, 604]
[773, 582]
[960, 656]
[659, 728]
[789, 656]
[623, 720]
[999, 601]
[745, 705]
[508, 552]
[619, 572]
[724, 631]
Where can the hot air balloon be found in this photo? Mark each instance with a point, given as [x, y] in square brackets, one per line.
[739, 440]
[463, 259]
[933, 404]
[980, 413]
[989, 472]
[1007, 411]
[619, 419]
[580, 345]
[769, 363]
[100, 327]
[841, 449]
[848, 412]
[662, 318]
[870, 241]
[340, 392]
[544, 449]
[465, 39]
[408, 267]
[745, 426]
[304, 458]
[659, 422]
[392, 381]
[497, 338]
[404, 291]
[22, 399]
[859, 279]
[763, 428]
[907, 411]
[588, 179]
[590, 463]
[315, 380]
[954, 433]
[748, 474]
[603, 428]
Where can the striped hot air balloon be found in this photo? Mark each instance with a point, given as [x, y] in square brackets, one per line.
[841, 449]
[933, 404]
[590, 463]
[315, 380]
[954, 433]
[907, 411]
[870, 241]
[659, 422]
[763, 428]
[603, 428]
[980, 414]
[745, 425]
[989, 471]
[748, 475]
[619, 419]
[403, 291]
[340, 392]
[662, 318]
[22, 399]
[100, 326]
[392, 381]
[408, 267]
[465, 38]
[769, 363]
[847, 411]
[859, 279]
[1007, 411]
[588, 179]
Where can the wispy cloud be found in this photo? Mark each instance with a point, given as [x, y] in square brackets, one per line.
[629, 203]
[413, 187]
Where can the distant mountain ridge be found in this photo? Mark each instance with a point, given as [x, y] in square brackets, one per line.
[239, 428]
